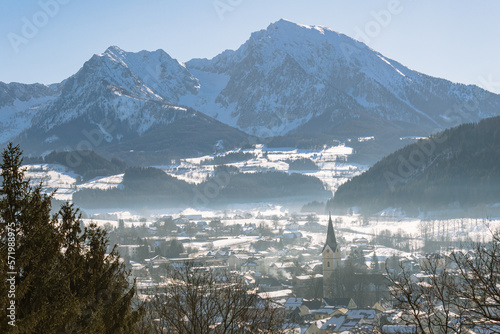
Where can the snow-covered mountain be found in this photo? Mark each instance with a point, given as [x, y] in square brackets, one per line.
[117, 85]
[288, 80]
[288, 74]
[117, 97]
[19, 103]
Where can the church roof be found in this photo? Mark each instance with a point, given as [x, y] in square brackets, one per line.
[330, 237]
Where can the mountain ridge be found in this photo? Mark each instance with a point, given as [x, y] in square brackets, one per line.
[287, 81]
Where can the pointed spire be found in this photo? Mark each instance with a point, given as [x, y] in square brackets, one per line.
[330, 235]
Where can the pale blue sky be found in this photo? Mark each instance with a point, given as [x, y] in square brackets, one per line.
[454, 39]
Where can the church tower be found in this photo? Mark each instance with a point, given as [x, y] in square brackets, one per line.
[331, 263]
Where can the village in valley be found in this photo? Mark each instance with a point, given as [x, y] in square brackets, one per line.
[325, 272]
[328, 273]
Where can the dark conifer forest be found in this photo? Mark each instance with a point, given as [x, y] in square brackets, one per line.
[456, 168]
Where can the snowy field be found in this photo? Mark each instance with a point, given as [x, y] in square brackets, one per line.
[330, 170]
[348, 229]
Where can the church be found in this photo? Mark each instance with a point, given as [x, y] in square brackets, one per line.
[365, 287]
[331, 263]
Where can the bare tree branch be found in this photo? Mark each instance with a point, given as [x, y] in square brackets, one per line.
[211, 300]
[456, 293]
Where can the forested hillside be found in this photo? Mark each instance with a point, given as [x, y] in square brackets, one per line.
[457, 168]
[88, 164]
[153, 188]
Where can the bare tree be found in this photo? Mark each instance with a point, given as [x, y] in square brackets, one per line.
[453, 294]
[478, 289]
[211, 300]
[424, 299]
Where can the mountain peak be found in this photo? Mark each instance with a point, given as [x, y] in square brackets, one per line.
[115, 54]
[119, 55]
[113, 49]
[290, 26]
[283, 22]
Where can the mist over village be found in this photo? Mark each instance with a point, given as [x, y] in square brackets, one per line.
[249, 167]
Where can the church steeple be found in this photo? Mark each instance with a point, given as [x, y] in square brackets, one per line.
[330, 236]
[331, 263]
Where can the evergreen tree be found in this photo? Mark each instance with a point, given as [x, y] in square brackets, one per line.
[175, 248]
[63, 279]
[121, 225]
[143, 250]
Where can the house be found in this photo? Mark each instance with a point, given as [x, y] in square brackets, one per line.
[300, 314]
[138, 270]
[292, 235]
[181, 220]
[292, 226]
[340, 302]
[313, 304]
[292, 303]
[269, 284]
[130, 250]
[360, 241]
[308, 285]
[344, 320]
[144, 285]
[276, 295]
[202, 225]
[381, 306]
[313, 227]
[249, 266]
[157, 261]
[399, 329]
[314, 328]
[193, 217]
[323, 313]
[223, 254]
[334, 324]
[250, 229]
[435, 259]
[366, 314]
[234, 261]
[282, 269]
